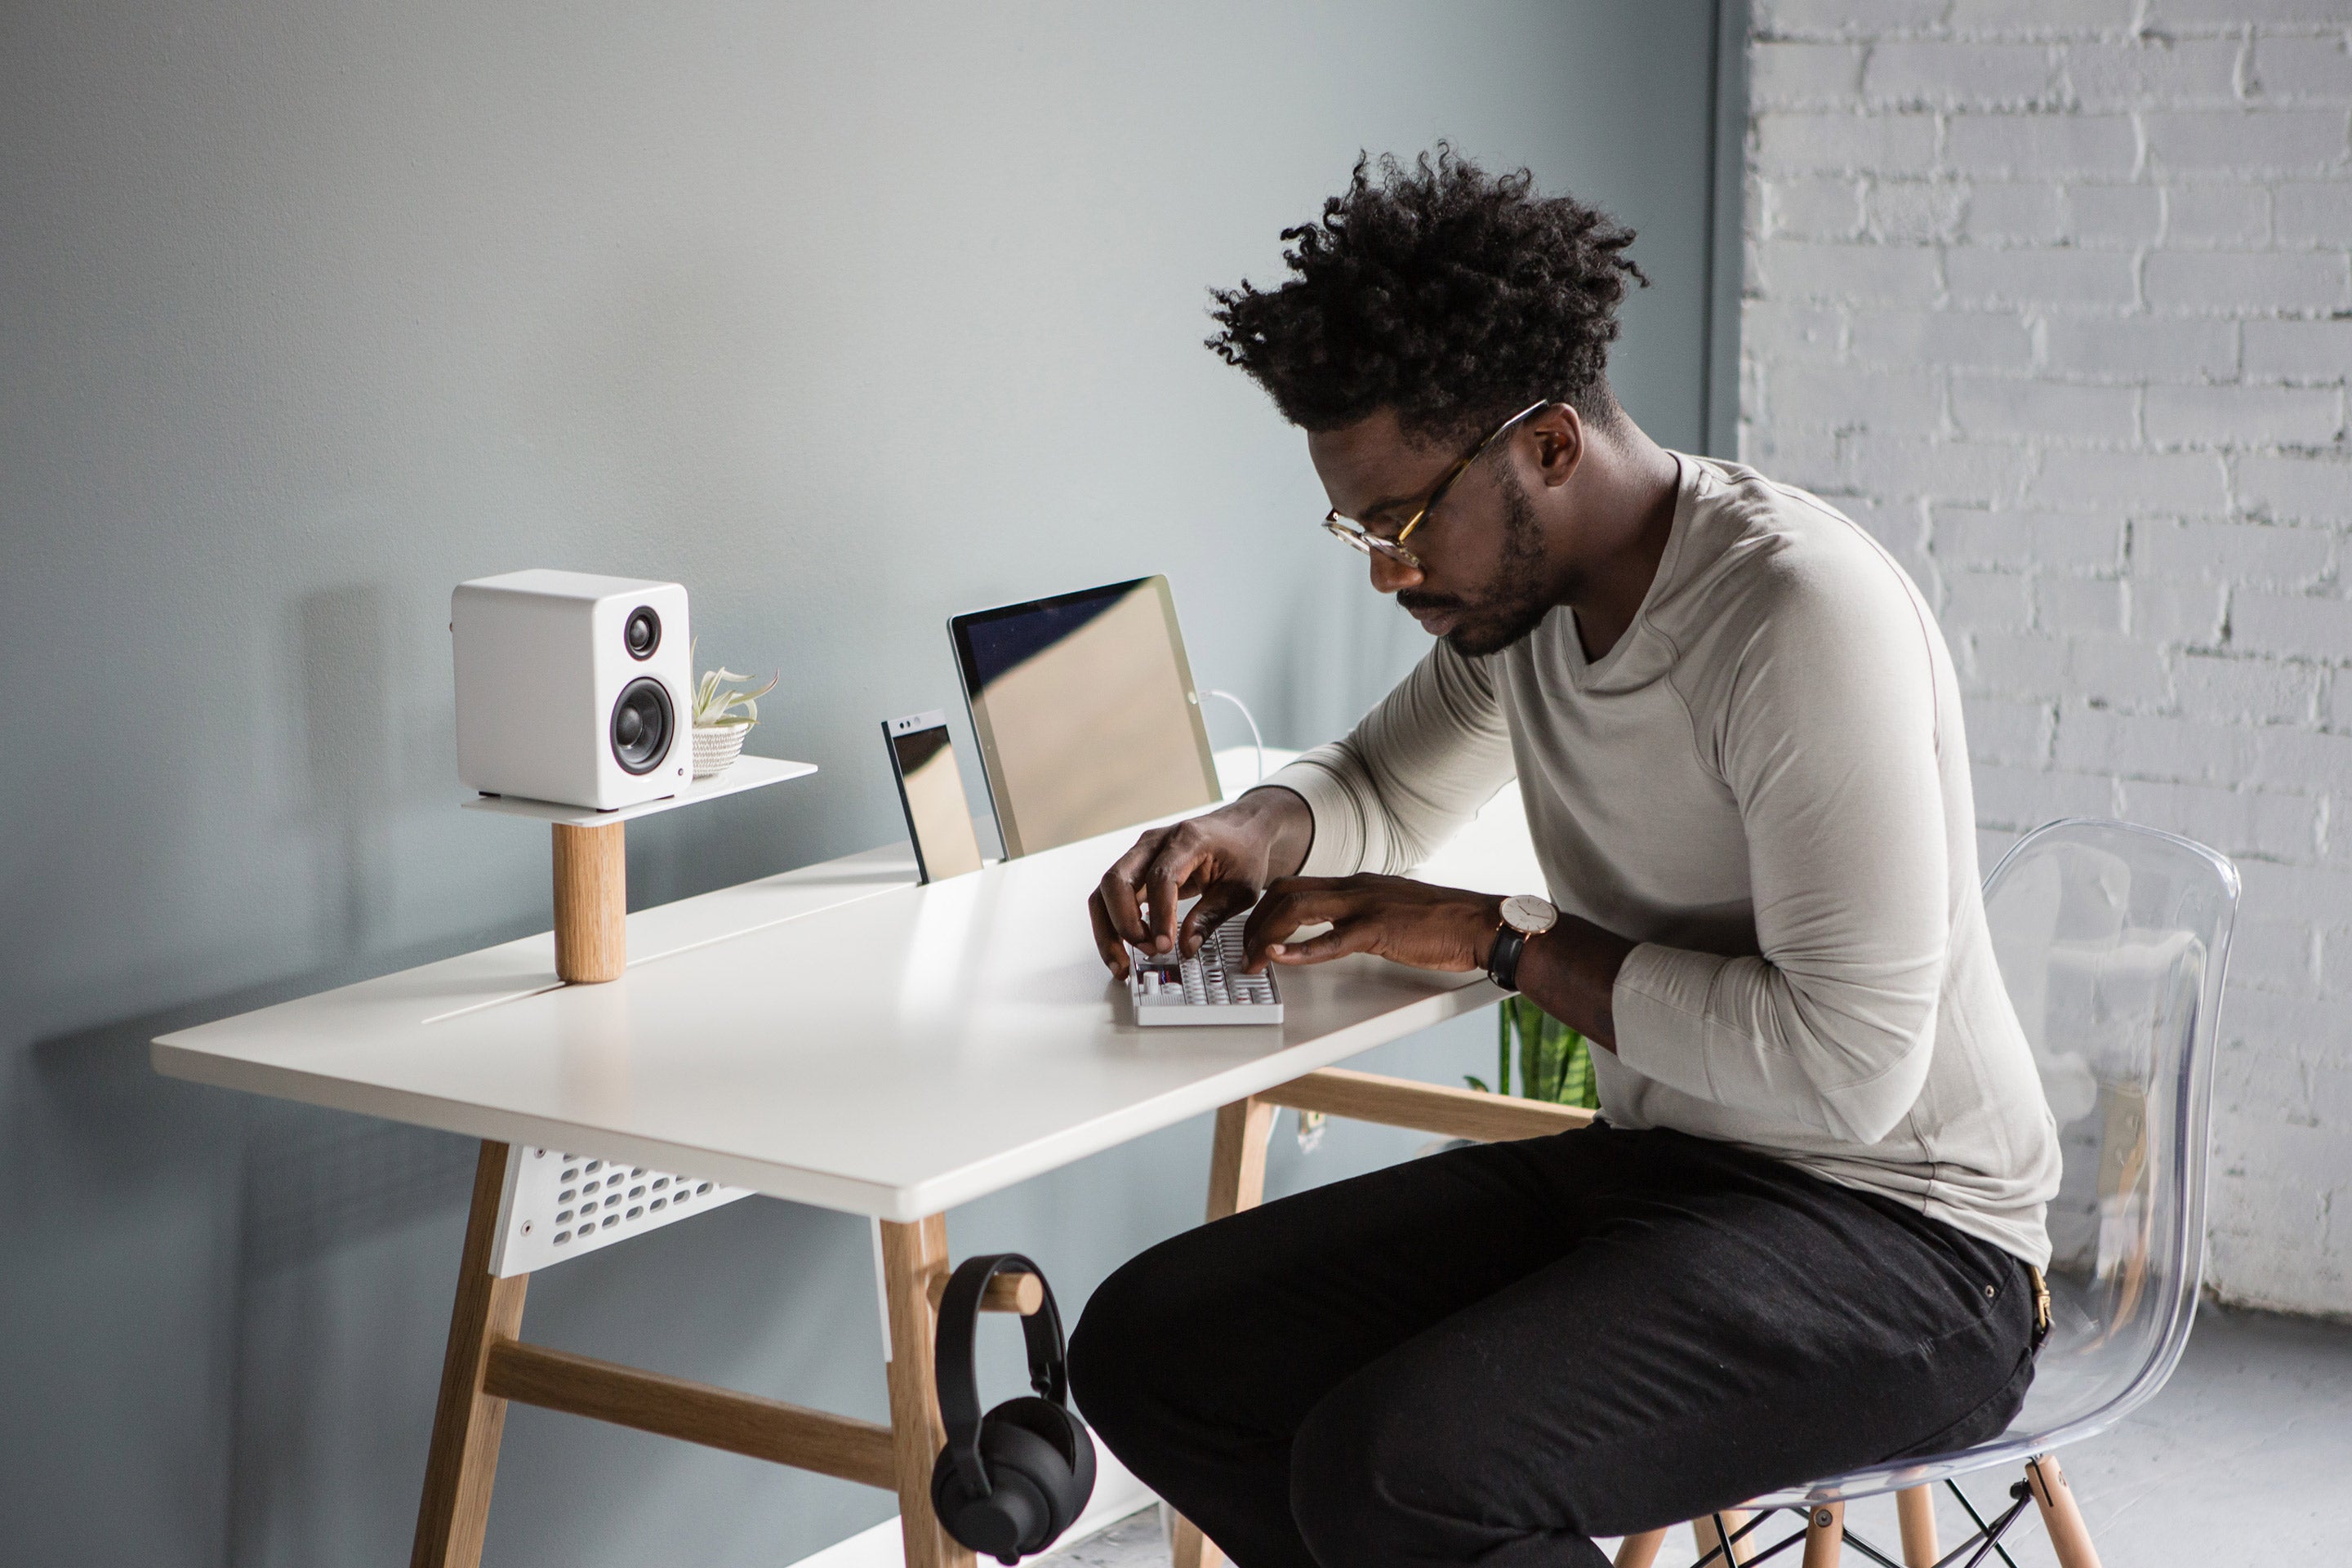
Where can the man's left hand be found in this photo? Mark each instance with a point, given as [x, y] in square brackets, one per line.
[1410, 923]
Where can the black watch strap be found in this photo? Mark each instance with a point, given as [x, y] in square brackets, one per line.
[1503, 959]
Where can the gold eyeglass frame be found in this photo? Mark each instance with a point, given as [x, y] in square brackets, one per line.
[1356, 536]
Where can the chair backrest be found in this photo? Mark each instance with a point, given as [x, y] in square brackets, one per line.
[2113, 940]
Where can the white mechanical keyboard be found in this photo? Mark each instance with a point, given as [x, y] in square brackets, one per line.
[1208, 988]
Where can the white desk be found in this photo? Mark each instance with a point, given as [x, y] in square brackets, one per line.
[835, 1036]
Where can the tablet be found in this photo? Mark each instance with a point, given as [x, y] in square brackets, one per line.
[931, 788]
[1085, 712]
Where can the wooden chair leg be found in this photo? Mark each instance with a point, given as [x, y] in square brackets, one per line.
[1708, 1538]
[1639, 1550]
[467, 1423]
[1825, 1535]
[2070, 1538]
[1914, 1513]
[911, 1254]
[1236, 1182]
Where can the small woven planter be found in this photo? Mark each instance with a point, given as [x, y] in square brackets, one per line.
[716, 747]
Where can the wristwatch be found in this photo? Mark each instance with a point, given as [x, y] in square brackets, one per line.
[1524, 915]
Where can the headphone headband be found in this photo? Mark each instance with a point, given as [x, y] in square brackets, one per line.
[959, 1379]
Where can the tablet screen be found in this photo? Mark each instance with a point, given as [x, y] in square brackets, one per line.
[930, 786]
[1085, 712]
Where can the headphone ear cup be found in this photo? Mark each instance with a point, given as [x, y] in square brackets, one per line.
[1013, 1520]
[1075, 1483]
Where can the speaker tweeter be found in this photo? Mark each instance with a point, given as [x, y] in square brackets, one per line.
[643, 633]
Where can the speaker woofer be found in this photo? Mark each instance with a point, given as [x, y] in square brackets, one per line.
[642, 633]
[643, 724]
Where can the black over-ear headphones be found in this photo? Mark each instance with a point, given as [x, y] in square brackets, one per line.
[1008, 1482]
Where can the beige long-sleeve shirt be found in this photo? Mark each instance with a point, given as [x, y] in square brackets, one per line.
[1764, 783]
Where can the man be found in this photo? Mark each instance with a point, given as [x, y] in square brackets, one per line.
[1798, 1238]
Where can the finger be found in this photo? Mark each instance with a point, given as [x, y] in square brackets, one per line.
[1281, 912]
[1291, 904]
[1268, 923]
[1180, 856]
[1107, 940]
[1218, 903]
[1120, 883]
[1357, 936]
[1301, 932]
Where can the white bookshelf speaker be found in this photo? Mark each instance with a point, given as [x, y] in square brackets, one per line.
[573, 688]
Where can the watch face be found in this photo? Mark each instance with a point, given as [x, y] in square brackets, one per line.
[1528, 914]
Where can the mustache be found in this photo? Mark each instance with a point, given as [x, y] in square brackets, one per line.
[1413, 601]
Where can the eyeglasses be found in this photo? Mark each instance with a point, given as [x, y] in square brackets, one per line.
[1358, 537]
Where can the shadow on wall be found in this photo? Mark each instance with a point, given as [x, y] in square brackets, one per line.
[327, 1204]
[312, 1255]
[170, 1212]
[341, 653]
[332, 1210]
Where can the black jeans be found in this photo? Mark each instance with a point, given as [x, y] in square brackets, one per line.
[1497, 1353]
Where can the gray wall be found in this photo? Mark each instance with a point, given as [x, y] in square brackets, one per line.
[846, 318]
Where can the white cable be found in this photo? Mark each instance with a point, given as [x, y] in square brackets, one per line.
[1256, 739]
[1311, 1123]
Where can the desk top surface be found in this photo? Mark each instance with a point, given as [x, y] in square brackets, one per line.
[835, 1035]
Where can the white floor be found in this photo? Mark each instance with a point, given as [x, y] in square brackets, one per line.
[2244, 1459]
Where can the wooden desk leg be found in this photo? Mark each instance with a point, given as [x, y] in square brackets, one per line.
[911, 1254]
[1236, 1182]
[1190, 1549]
[466, 1423]
[1237, 1158]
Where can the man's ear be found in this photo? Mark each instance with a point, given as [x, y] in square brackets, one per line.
[1560, 434]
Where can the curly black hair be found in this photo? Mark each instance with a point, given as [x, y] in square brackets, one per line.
[1452, 295]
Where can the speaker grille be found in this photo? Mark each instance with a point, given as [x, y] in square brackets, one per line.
[642, 725]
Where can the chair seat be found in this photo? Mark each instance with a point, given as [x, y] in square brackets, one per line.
[2008, 1450]
[2087, 1381]
[2113, 941]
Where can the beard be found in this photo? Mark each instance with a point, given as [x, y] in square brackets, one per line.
[1514, 602]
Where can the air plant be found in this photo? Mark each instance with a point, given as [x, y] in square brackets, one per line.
[715, 705]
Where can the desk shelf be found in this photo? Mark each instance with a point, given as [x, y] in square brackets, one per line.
[748, 772]
[592, 862]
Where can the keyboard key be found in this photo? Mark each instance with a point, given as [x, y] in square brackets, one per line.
[1207, 988]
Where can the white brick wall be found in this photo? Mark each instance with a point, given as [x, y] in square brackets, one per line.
[2055, 296]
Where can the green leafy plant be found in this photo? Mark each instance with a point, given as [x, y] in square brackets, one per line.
[716, 705]
[1555, 1062]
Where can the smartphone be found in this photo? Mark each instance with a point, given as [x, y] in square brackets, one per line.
[922, 758]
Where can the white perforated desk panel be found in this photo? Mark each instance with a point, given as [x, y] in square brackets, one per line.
[833, 1036]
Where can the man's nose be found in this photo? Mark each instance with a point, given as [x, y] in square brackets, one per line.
[1389, 574]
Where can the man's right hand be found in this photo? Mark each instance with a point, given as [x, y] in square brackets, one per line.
[1227, 856]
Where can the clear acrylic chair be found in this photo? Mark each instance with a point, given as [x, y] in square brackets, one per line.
[2112, 939]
